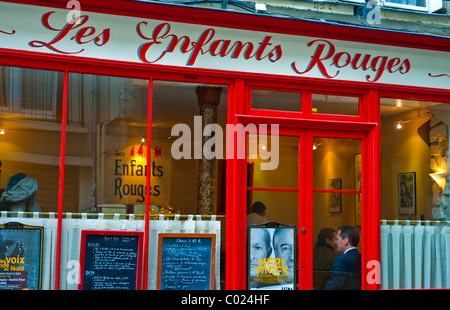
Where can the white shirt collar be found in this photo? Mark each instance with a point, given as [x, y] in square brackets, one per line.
[349, 249]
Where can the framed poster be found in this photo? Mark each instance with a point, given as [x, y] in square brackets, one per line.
[186, 261]
[110, 260]
[407, 193]
[271, 257]
[335, 198]
[20, 256]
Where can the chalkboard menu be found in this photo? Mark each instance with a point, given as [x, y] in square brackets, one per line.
[110, 260]
[186, 261]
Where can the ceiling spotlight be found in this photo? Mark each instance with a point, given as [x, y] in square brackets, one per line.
[399, 125]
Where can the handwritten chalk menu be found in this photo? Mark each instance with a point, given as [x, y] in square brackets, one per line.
[20, 256]
[110, 260]
[186, 261]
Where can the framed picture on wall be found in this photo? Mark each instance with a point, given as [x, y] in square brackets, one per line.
[335, 197]
[407, 193]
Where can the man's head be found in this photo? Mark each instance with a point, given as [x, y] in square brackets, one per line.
[259, 208]
[346, 238]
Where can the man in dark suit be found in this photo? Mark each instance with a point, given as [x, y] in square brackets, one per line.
[346, 269]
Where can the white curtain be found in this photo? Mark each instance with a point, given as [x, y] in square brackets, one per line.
[415, 256]
[71, 241]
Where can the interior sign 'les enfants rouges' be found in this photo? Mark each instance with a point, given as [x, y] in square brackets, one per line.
[171, 43]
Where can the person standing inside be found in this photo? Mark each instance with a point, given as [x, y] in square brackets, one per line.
[346, 268]
[325, 251]
[258, 214]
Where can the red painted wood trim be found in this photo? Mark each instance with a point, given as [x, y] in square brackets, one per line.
[61, 181]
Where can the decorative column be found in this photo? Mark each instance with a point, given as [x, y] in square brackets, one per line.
[208, 100]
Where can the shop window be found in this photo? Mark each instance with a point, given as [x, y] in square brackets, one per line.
[414, 194]
[276, 100]
[29, 150]
[336, 203]
[106, 157]
[182, 169]
[334, 104]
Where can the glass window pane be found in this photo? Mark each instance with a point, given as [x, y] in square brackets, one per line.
[275, 161]
[26, 161]
[180, 112]
[332, 104]
[30, 93]
[274, 198]
[276, 100]
[414, 187]
[336, 169]
[335, 159]
[106, 151]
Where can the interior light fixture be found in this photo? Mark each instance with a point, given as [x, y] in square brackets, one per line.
[143, 140]
[2, 131]
[440, 178]
[314, 146]
[400, 124]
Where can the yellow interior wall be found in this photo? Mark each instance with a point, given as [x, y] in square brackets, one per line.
[334, 159]
[404, 151]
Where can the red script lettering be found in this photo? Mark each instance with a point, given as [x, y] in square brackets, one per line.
[82, 35]
[325, 56]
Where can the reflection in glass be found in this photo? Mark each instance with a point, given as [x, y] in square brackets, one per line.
[276, 100]
[106, 152]
[187, 182]
[332, 104]
[30, 112]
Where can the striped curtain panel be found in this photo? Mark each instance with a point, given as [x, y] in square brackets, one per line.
[415, 256]
[71, 240]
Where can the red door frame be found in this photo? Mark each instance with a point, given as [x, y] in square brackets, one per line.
[307, 125]
[239, 108]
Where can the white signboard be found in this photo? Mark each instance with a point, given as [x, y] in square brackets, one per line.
[148, 41]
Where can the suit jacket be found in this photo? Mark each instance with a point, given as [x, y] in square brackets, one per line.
[345, 272]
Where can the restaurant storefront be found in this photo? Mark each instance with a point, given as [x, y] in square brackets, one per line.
[112, 114]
